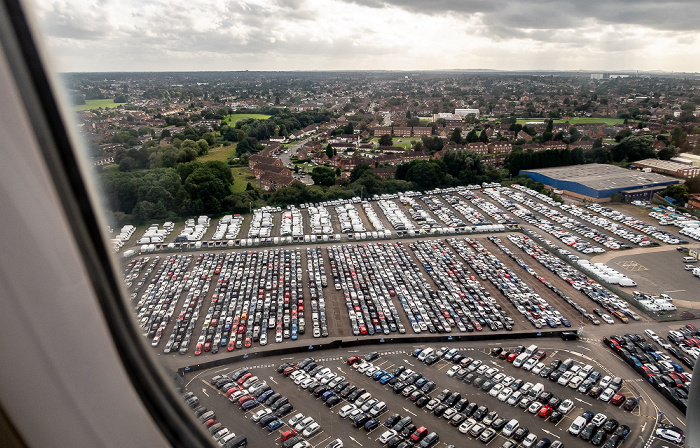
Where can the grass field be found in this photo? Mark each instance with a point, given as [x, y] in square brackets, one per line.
[233, 118]
[241, 176]
[96, 104]
[575, 121]
[404, 142]
[220, 154]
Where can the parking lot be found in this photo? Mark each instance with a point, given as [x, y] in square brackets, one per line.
[219, 302]
[641, 420]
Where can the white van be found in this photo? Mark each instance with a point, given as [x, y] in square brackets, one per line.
[510, 428]
[577, 425]
[690, 260]
[425, 353]
[531, 350]
[518, 362]
[536, 390]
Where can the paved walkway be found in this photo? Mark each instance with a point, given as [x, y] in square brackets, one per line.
[610, 255]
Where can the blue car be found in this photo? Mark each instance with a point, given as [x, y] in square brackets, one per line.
[565, 322]
[274, 425]
[378, 374]
[265, 395]
[386, 378]
[327, 395]
[421, 382]
[416, 352]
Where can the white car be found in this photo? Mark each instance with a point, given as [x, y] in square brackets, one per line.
[534, 407]
[565, 406]
[312, 429]
[305, 384]
[607, 319]
[538, 368]
[296, 419]
[529, 364]
[565, 378]
[607, 394]
[260, 414]
[346, 410]
[467, 425]
[306, 421]
[515, 398]
[575, 382]
[530, 440]
[599, 419]
[670, 434]
[453, 370]
[387, 435]
[496, 389]
[505, 394]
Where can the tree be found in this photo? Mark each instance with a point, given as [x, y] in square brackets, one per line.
[202, 147]
[330, 152]
[127, 164]
[472, 136]
[386, 140]
[693, 185]
[483, 137]
[349, 128]
[456, 136]
[359, 171]
[323, 175]
[679, 192]
[668, 152]
[633, 148]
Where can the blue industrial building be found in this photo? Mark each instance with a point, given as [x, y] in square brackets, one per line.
[597, 182]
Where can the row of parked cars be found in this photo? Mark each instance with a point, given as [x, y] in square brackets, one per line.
[530, 304]
[658, 368]
[476, 419]
[463, 301]
[579, 281]
[617, 217]
[367, 283]
[222, 435]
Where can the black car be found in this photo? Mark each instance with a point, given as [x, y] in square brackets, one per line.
[622, 431]
[555, 416]
[496, 351]
[453, 398]
[428, 387]
[267, 419]
[613, 442]
[440, 409]
[284, 410]
[320, 390]
[347, 390]
[332, 401]
[630, 404]
[398, 387]
[587, 432]
[423, 400]
[391, 420]
[280, 368]
[470, 409]
[611, 425]
[432, 359]
[457, 419]
[401, 424]
[480, 413]
[272, 398]
[499, 423]
[599, 438]
[371, 424]
[461, 404]
[488, 385]
[596, 391]
[478, 382]
[469, 378]
[520, 433]
[360, 419]
[443, 394]
[408, 430]
[371, 356]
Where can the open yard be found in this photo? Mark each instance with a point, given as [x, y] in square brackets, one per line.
[404, 142]
[233, 118]
[96, 104]
[241, 177]
[219, 153]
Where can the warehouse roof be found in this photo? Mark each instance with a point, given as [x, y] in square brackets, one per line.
[602, 177]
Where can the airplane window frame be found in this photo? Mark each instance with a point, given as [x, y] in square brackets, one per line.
[38, 88]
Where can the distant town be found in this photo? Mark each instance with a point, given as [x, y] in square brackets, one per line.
[291, 137]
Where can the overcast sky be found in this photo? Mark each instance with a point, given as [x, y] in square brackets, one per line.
[165, 35]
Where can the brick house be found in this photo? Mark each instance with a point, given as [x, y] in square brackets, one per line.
[274, 181]
[402, 131]
[553, 144]
[382, 130]
[500, 147]
[421, 131]
[478, 147]
[260, 168]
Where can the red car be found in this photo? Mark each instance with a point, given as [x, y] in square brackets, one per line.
[545, 411]
[248, 342]
[511, 357]
[618, 399]
[231, 345]
[198, 349]
[289, 370]
[244, 398]
[540, 355]
[288, 434]
[244, 378]
[353, 359]
[419, 433]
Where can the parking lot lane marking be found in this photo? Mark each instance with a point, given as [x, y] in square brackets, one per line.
[582, 401]
[408, 362]
[221, 370]
[273, 380]
[409, 412]
[682, 422]
[355, 440]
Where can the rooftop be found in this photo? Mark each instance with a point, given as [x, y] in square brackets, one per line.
[602, 177]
